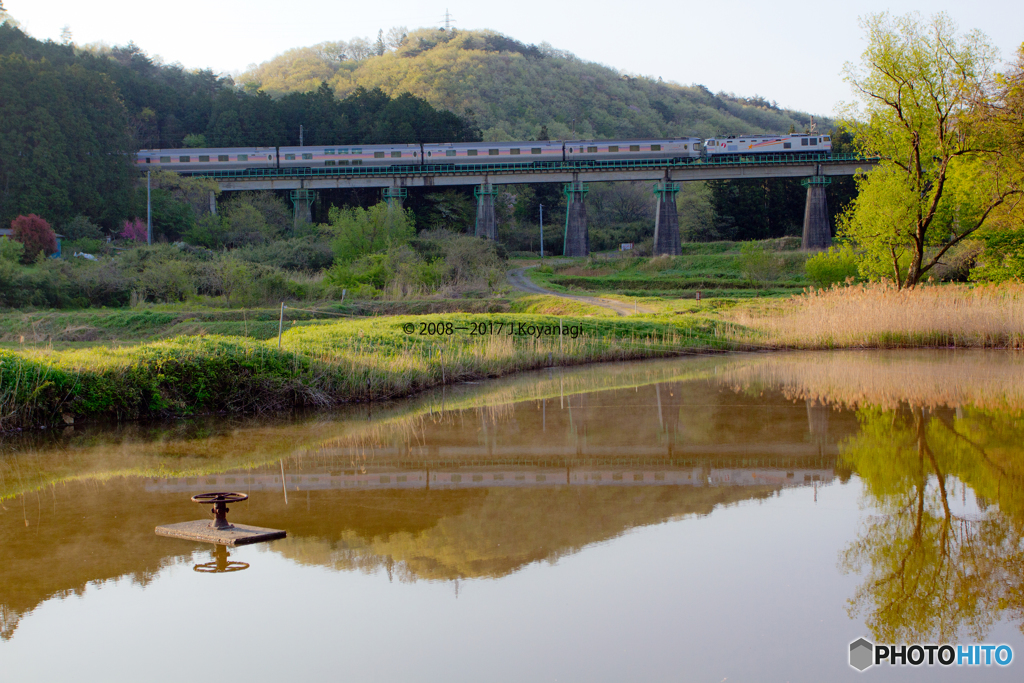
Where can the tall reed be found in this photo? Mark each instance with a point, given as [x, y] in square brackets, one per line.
[881, 316]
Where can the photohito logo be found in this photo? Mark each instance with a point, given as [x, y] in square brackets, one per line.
[865, 654]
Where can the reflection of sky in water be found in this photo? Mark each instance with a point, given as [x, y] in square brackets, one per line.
[708, 549]
[660, 603]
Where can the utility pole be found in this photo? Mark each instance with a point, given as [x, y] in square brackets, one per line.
[149, 210]
[300, 136]
[542, 231]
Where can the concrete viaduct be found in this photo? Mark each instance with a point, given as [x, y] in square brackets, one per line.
[816, 170]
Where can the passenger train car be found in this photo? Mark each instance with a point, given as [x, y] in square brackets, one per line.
[476, 153]
[795, 143]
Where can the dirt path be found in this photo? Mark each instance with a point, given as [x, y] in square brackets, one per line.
[518, 279]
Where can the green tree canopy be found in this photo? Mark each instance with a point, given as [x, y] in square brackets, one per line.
[359, 231]
[923, 88]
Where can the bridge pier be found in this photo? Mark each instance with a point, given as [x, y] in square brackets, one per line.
[486, 225]
[213, 202]
[394, 196]
[577, 238]
[666, 219]
[302, 200]
[817, 231]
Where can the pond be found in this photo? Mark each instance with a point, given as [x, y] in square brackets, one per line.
[728, 518]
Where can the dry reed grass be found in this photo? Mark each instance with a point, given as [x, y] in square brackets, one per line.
[880, 316]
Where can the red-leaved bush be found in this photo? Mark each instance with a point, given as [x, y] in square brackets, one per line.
[134, 230]
[36, 234]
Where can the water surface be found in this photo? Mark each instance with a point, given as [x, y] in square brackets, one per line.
[731, 518]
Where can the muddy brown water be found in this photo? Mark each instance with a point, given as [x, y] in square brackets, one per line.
[739, 518]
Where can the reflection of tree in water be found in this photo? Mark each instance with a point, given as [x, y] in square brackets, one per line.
[931, 573]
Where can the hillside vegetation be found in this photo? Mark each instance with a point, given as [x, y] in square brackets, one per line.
[514, 89]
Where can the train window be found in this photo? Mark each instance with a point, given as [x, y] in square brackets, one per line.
[696, 145]
[514, 151]
[655, 148]
[535, 150]
[329, 162]
[357, 150]
[148, 161]
[471, 152]
[344, 162]
[307, 155]
[449, 152]
[634, 148]
[613, 148]
[827, 138]
[343, 150]
[378, 155]
[222, 157]
[787, 145]
[204, 157]
[289, 157]
[493, 152]
[396, 155]
[814, 141]
[165, 160]
[592, 150]
[243, 157]
[185, 160]
[329, 152]
[357, 162]
[803, 142]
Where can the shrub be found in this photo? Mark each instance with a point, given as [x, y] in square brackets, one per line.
[81, 228]
[759, 264]
[10, 250]
[208, 231]
[304, 253]
[35, 234]
[360, 231]
[831, 267]
[84, 246]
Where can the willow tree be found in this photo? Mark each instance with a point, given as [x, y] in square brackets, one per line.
[923, 90]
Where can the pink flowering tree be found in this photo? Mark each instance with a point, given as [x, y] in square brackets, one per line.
[134, 230]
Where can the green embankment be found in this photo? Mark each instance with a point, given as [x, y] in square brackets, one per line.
[88, 327]
[320, 363]
[718, 269]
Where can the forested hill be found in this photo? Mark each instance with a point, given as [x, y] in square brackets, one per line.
[513, 89]
[70, 118]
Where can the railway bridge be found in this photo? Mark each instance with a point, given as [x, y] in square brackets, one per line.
[817, 170]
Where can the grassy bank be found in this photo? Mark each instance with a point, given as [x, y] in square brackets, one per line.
[319, 364]
[118, 326]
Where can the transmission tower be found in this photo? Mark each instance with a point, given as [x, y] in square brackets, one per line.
[448, 21]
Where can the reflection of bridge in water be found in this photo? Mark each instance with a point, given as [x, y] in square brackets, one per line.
[377, 478]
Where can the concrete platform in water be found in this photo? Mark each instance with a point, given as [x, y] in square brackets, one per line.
[236, 534]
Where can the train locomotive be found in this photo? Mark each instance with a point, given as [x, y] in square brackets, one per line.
[454, 154]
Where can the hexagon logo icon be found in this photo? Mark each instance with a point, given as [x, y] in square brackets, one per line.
[861, 654]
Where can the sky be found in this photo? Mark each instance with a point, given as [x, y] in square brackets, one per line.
[790, 52]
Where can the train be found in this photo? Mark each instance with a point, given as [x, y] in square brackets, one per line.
[454, 154]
